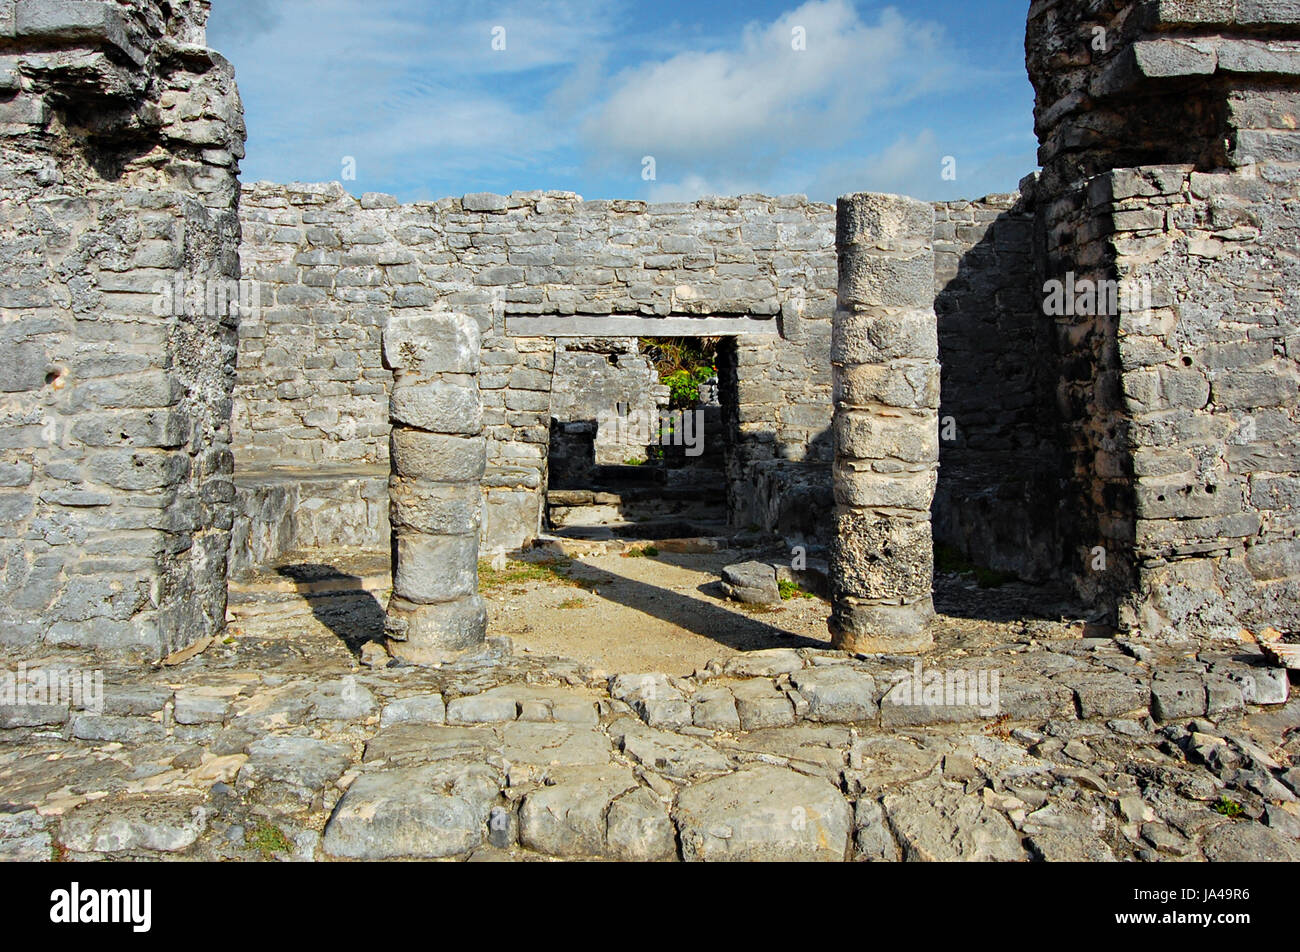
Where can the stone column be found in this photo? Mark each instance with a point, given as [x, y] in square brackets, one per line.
[438, 454]
[885, 375]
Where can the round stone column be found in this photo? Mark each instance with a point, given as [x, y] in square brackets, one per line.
[435, 501]
[885, 377]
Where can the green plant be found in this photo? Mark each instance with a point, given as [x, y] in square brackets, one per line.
[683, 363]
[648, 551]
[634, 462]
[1229, 808]
[571, 603]
[268, 840]
[544, 570]
[791, 590]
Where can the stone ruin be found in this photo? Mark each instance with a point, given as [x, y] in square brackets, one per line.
[894, 373]
[1090, 383]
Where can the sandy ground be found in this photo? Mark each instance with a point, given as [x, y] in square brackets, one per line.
[613, 612]
[653, 613]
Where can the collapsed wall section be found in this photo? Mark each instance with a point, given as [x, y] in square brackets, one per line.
[120, 135]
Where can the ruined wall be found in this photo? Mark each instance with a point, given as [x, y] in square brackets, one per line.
[999, 470]
[530, 267]
[120, 135]
[1170, 168]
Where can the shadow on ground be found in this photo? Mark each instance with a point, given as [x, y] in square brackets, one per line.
[732, 628]
[339, 601]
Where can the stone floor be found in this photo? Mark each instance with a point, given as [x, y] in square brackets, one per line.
[278, 744]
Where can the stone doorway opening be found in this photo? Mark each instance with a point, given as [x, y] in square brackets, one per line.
[640, 439]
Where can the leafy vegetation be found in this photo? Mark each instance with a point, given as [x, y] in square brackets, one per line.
[1229, 808]
[268, 840]
[791, 590]
[516, 573]
[683, 363]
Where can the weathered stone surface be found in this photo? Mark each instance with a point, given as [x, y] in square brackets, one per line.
[760, 704]
[526, 742]
[837, 695]
[1105, 693]
[1248, 842]
[751, 582]
[763, 813]
[673, 755]
[654, 698]
[934, 822]
[421, 709]
[164, 824]
[418, 812]
[569, 817]
[303, 765]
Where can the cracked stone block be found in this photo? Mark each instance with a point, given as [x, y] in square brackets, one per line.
[837, 695]
[421, 709]
[872, 838]
[569, 817]
[294, 766]
[1105, 694]
[763, 813]
[714, 709]
[934, 822]
[194, 708]
[1176, 696]
[121, 730]
[761, 704]
[496, 704]
[430, 812]
[767, 663]
[654, 698]
[165, 824]
[638, 829]
[674, 755]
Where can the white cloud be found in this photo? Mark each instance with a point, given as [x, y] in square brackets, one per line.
[732, 109]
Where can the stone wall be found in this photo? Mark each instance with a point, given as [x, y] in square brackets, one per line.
[998, 491]
[120, 135]
[532, 268]
[1170, 168]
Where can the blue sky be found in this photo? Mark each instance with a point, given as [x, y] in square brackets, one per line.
[424, 99]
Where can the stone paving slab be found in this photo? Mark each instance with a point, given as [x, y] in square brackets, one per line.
[780, 754]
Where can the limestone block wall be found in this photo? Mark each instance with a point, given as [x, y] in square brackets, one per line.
[1171, 168]
[120, 135]
[531, 268]
[884, 355]
[999, 450]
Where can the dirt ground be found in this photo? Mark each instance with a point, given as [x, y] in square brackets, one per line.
[616, 612]
[665, 612]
